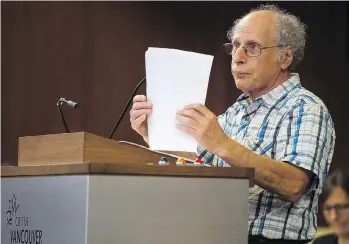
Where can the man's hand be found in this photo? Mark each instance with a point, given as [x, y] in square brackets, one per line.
[282, 178]
[141, 108]
[202, 124]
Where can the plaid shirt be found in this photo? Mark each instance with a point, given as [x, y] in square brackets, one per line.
[287, 124]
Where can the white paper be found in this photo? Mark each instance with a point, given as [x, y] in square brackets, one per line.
[175, 78]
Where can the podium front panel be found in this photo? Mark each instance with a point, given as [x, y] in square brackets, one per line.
[110, 203]
[44, 210]
[171, 210]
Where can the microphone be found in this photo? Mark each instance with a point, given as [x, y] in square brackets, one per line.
[68, 102]
[71, 104]
[126, 107]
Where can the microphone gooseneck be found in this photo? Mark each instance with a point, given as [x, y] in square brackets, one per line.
[71, 104]
[126, 107]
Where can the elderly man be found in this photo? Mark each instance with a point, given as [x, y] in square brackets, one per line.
[276, 126]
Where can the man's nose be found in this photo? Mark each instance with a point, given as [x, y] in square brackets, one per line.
[240, 56]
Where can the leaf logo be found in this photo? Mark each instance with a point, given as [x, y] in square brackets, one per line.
[12, 210]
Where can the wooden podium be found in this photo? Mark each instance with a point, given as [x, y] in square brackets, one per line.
[80, 188]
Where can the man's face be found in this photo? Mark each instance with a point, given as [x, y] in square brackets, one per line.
[256, 75]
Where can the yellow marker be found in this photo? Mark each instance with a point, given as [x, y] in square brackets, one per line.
[181, 161]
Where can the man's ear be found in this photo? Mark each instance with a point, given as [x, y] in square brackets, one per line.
[287, 59]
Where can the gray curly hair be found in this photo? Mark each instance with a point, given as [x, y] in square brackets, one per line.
[290, 32]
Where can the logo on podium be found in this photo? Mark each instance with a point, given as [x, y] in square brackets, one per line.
[18, 225]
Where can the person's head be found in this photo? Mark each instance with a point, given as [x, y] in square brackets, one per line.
[259, 70]
[335, 198]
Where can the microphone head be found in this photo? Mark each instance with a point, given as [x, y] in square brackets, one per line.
[72, 104]
[68, 102]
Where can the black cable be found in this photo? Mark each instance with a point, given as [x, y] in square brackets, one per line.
[126, 107]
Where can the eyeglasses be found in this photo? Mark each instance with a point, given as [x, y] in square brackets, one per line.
[337, 207]
[251, 50]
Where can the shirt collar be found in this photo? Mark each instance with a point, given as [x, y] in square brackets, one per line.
[271, 98]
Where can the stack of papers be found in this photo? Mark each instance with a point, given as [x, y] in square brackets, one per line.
[175, 78]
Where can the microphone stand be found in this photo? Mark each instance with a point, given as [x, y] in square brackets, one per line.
[59, 104]
[126, 107]
[69, 104]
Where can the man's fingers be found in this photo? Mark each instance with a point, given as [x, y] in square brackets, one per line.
[137, 122]
[142, 105]
[187, 120]
[191, 113]
[139, 98]
[137, 113]
[188, 130]
[199, 108]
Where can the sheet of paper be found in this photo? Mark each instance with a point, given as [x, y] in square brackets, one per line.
[175, 78]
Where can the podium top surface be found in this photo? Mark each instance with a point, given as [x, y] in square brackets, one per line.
[127, 169]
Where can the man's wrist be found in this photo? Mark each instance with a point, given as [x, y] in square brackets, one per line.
[226, 150]
[234, 153]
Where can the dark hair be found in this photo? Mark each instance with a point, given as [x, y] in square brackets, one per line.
[338, 178]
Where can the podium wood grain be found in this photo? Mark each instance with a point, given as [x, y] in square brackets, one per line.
[127, 169]
[81, 147]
